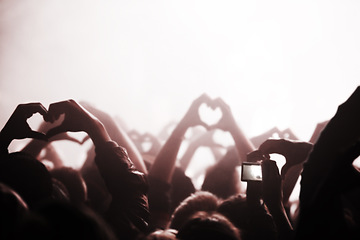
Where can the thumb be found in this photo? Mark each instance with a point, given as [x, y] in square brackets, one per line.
[65, 136]
[54, 131]
[38, 135]
[206, 126]
[85, 139]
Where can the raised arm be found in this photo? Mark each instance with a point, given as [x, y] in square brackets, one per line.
[118, 135]
[17, 127]
[164, 163]
[229, 124]
[204, 140]
[295, 153]
[321, 210]
[128, 213]
[272, 196]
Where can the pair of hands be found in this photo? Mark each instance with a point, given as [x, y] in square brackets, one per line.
[295, 152]
[146, 138]
[192, 117]
[76, 119]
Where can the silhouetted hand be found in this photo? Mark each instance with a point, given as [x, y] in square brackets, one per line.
[272, 187]
[45, 126]
[294, 152]
[76, 119]
[273, 198]
[17, 126]
[192, 117]
[255, 156]
[227, 121]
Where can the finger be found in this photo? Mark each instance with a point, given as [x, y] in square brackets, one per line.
[269, 169]
[30, 108]
[40, 109]
[219, 102]
[271, 146]
[204, 98]
[254, 156]
[37, 135]
[64, 136]
[206, 126]
[48, 118]
[218, 145]
[55, 131]
[213, 127]
[87, 137]
[284, 170]
[58, 108]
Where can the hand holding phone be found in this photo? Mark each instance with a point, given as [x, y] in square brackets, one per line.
[251, 171]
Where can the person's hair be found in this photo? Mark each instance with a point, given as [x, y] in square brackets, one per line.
[209, 226]
[74, 183]
[12, 209]
[253, 220]
[63, 220]
[199, 201]
[27, 176]
[166, 234]
[222, 179]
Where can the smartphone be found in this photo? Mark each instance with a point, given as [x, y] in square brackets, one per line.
[251, 171]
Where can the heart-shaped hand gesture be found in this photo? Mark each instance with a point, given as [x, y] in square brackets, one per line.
[17, 126]
[46, 126]
[76, 118]
[227, 121]
[192, 117]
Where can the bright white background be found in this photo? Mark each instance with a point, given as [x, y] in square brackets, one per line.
[276, 63]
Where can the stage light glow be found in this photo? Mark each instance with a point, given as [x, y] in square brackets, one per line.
[276, 63]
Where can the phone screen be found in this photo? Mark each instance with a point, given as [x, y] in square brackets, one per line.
[251, 172]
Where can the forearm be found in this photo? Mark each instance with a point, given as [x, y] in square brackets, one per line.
[290, 181]
[124, 140]
[283, 225]
[319, 198]
[127, 186]
[186, 158]
[242, 143]
[164, 163]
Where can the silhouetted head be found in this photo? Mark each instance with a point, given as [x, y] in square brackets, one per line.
[73, 182]
[167, 234]
[253, 220]
[12, 209]
[63, 220]
[199, 201]
[208, 226]
[27, 176]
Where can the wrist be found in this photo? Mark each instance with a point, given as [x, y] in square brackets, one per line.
[98, 133]
[180, 130]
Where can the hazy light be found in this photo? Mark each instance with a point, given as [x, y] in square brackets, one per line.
[276, 63]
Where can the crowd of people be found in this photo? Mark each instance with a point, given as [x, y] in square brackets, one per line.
[123, 191]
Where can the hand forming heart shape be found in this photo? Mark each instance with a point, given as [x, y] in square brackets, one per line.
[209, 115]
[17, 127]
[213, 113]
